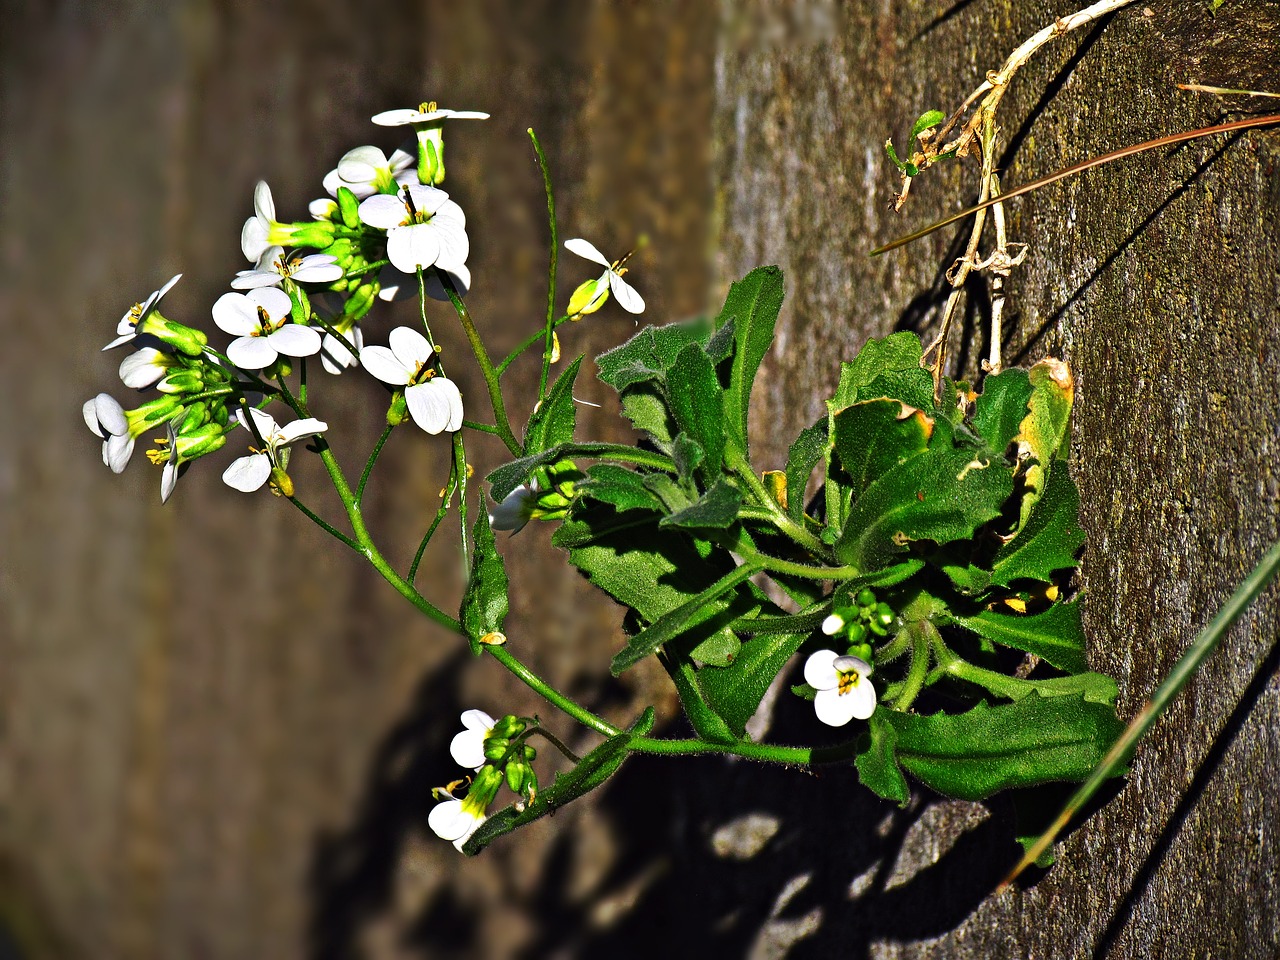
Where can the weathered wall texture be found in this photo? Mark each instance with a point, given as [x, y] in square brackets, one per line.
[1158, 280]
[218, 734]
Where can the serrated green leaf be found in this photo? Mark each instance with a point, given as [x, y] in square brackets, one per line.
[675, 621]
[943, 494]
[897, 352]
[697, 405]
[734, 692]
[1043, 430]
[484, 603]
[926, 121]
[646, 407]
[873, 436]
[877, 764]
[622, 488]
[716, 509]
[913, 387]
[554, 420]
[1055, 636]
[806, 451]
[1036, 740]
[593, 770]
[753, 304]
[650, 353]
[1001, 407]
[1050, 538]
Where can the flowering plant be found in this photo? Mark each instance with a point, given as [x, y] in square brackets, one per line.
[916, 547]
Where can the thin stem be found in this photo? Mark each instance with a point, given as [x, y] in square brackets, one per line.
[555, 742]
[551, 269]
[325, 525]
[459, 471]
[777, 515]
[515, 354]
[540, 686]
[480, 427]
[800, 756]
[1121, 751]
[482, 359]
[440, 515]
[373, 458]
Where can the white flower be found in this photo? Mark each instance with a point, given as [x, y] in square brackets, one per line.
[256, 230]
[126, 329]
[144, 367]
[367, 170]
[106, 418]
[516, 508]
[844, 688]
[273, 266]
[434, 401]
[455, 820]
[258, 321]
[249, 473]
[396, 285]
[610, 281]
[467, 747]
[424, 228]
[833, 624]
[426, 113]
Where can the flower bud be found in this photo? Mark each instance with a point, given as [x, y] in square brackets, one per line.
[181, 381]
[398, 412]
[509, 726]
[360, 302]
[348, 208]
[516, 772]
[281, 483]
[495, 748]
[313, 233]
[866, 597]
[179, 336]
[589, 297]
[197, 443]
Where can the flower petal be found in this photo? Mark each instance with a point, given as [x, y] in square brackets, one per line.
[410, 347]
[253, 238]
[833, 708]
[251, 353]
[382, 363]
[318, 268]
[477, 720]
[142, 368]
[383, 211]
[820, 671]
[586, 250]
[460, 275]
[116, 452]
[395, 118]
[833, 624]
[449, 821]
[467, 749]
[275, 302]
[435, 405]
[234, 314]
[409, 248]
[294, 340]
[263, 204]
[361, 164]
[265, 423]
[625, 294]
[90, 413]
[300, 429]
[336, 356]
[168, 480]
[252, 279]
[248, 474]
[428, 200]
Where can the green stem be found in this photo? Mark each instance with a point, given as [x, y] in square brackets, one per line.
[555, 741]
[803, 756]
[776, 514]
[368, 465]
[440, 515]
[537, 684]
[482, 359]
[325, 525]
[459, 471]
[480, 427]
[551, 270]
[919, 632]
[515, 354]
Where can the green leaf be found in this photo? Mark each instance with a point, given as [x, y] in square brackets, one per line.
[722, 342]
[925, 122]
[893, 155]
[806, 450]
[650, 354]
[716, 509]
[753, 305]
[1001, 407]
[593, 770]
[734, 692]
[688, 456]
[675, 621]
[718, 650]
[622, 488]
[897, 352]
[1036, 740]
[1043, 430]
[943, 494]
[554, 420]
[697, 405]
[913, 387]
[1050, 538]
[1056, 635]
[484, 604]
[873, 436]
[877, 767]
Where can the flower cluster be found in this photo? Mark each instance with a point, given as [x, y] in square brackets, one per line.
[495, 750]
[843, 682]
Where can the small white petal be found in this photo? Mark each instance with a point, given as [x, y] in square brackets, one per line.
[435, 405]
[143, 368]
[275, 302]
[253, 238]
[586, 250]
[300, 429]
[248, 474]
[411, 348]
[409, 248]
[168, 480]
[460, 275]
[819, 670]
[251, 353]
[265, 423]
[429, 200]
[336, 356]
[323, 209]
[361, 164]
[467, 749]
[252, 279]
[116, 452]
[318, 268]
[382, 363]
[159, 294]
[513, 512]
[833, 624]
[234, 314]
[625, 294]
[263, 204]
[383, 211]
[478, 720]
[396, 118]
[294, 340]
[89, 410]
[836, 709]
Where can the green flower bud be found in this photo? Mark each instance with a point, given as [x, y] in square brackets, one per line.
[182, 338]
[349, 208]
[398, 412]
[862, 651]
[360, 302]
[516, 771]
[529, 753]
[495, 748]
[197, 443]
[884, 614]
[856, 633]
[181, 381]
[509, 726]
[589, 297]
[866, 597]
[281, 484]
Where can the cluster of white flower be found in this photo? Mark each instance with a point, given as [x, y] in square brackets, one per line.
[384, 231]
